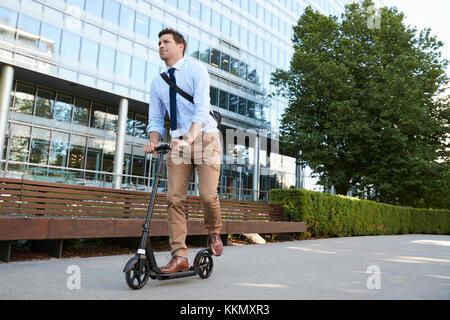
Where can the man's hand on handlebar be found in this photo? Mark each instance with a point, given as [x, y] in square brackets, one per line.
[152, 143]
[150, 147]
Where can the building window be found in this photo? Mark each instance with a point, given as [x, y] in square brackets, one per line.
[127, 18]
[95, 7]
[138, 70]
[81, 111]
[224, 62]
[223, 99]
[235, 31]
[51, 38]
[18, 146]
[24, 98]
[234, 101]
[192, 48]
[45, 102]
[215, 57]
[8, 17]
[204, 52]
[251, 109]
[214, 93]
[40, 145]
[138, 162]
[111, 119]
[155, 29]
[215, 20]
[142, 24]
[130, 123]
[77, 148]
[152, 72]
[226, 27]
[78, 3]
[183, 5]
[70, 46]
[206, 15]
[141, 125]
[194, 9]
[252, 41]
[260, 46]
[94, 158]
[242, 106]
[89, 53]
[234, 66]
[63, 108]
[106, 59]
[123, 63]
[59, 149]
[111, 11]
[108, 158]
[174, 2]
[98, 115]
[32, 26]
[242, 70]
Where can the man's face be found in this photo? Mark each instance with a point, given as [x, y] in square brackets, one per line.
[169, 49]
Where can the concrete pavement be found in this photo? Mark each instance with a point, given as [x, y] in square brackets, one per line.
[356, 268]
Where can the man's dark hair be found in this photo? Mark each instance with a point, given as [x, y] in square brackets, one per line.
[178, 37]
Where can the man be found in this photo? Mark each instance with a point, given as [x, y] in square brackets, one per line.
[195, 143]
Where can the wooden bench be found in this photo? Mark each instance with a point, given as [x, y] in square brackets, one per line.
[50, 212]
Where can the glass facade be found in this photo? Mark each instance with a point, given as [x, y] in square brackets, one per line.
[67, 134]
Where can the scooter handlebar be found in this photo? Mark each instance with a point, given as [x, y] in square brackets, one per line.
[162, 148]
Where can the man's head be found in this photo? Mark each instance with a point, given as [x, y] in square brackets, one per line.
[171, 46]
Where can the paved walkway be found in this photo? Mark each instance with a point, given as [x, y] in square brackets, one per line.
[379, 267]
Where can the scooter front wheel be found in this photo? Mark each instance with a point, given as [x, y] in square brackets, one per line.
[137, 272]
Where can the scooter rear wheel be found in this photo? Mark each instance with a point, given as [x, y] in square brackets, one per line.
[137, 276]
[205, 264]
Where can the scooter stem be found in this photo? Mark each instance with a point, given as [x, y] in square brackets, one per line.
[162, 150]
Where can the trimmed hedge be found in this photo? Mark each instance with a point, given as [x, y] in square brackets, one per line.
[338, 216]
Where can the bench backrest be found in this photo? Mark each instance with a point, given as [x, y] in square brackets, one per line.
[28, 197]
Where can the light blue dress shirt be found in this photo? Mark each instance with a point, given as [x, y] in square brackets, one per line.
[193, 78]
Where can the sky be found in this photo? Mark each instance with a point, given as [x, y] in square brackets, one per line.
[431, 14]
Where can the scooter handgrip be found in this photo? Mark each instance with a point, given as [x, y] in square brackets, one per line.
[162, 147]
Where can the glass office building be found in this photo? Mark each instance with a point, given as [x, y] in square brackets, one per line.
[75, 79]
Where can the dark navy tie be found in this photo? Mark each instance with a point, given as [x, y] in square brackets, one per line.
[173, 101]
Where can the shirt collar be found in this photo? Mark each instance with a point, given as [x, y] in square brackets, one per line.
[177, 65]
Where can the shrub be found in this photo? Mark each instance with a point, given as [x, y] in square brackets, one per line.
[339, 216]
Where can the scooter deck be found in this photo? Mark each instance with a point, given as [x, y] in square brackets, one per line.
[181, 274]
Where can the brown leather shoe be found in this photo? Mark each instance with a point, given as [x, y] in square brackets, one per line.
[215, 243]
[176, 265]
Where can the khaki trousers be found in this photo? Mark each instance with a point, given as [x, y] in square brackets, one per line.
[205, 156]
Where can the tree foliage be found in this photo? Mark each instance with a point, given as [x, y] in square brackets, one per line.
[362, 107]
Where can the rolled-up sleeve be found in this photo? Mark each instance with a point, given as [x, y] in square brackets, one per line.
[202, 99]
[156, 112]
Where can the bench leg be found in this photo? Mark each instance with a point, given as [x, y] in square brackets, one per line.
[5, 250]
[52, 247]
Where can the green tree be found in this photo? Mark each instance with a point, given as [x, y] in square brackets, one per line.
[362, 105]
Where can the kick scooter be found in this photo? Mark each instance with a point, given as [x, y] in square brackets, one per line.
[143, 265]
